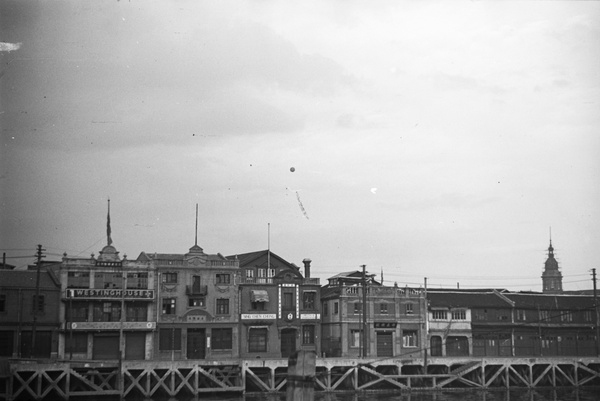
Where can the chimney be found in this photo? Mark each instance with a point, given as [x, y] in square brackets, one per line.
[306, 267]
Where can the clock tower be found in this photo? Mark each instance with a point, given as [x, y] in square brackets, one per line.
[551, 277]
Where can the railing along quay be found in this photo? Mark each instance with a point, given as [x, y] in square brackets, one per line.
[38, 380]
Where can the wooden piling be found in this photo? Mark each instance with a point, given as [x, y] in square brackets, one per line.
[301, 376]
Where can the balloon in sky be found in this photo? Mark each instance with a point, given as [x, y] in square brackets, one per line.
[292, 169]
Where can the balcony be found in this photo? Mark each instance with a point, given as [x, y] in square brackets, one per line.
[257, 280]
[196, 290]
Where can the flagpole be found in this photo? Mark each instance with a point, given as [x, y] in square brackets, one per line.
[108, 239]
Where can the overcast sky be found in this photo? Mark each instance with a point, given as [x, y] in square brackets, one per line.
[429, 139]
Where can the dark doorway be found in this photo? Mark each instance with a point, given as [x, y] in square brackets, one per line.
[135, 346]
[106, 346]
[6, 343]
[436, 346]
[457, 346]
[288, 342]
[196, 344]
[43, 344]
[385, 346]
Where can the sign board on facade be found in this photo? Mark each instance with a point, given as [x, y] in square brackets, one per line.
[89, 293]
[261, 316]
[310, 316]
[111, 325]
[385, 325]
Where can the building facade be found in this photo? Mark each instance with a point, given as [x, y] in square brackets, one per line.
[394, 321]
[279, 308]
[108, 307]
[500, 323]
[197, 305]
[29, 313]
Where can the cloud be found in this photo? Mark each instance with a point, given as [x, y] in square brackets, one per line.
[9, 47]
[145, 79]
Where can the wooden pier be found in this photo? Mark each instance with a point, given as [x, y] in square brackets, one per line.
[36, 380]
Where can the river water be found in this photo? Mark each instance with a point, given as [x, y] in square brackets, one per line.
[560, 394]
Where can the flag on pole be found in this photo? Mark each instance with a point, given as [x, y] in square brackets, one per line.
[108, 239]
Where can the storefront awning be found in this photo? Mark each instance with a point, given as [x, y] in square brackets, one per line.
[259, 296]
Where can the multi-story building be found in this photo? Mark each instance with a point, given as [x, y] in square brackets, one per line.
[553, 324]
[197, 305]
[468, 322]
[502, 323]
[394, 322]
[280, 311]
[29, 313]
[108, 307]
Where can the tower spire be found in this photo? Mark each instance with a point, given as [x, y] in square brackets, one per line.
[550, 248]
[196, 239]
[108, 238]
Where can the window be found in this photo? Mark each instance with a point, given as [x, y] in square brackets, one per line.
[196, 285]
[308, 300]
[78, 280]
[439, 315]
[197, 302]
[357, 308]
[2, 303]
[288, 300]
[258, 306]
[355, 336]
[587, 315]
[170, 339]
[544, 316]
[249, 276]
[383, 309]
[169, 306]
[105, 280]
[38, 306]
[170, 278]
[137, 280]
[325, 309]
[107, 311]
[221, 339]
[480, 314]
[136, 312]
[78, 344]
[336, 308]
[566, 316]
[223, 306]
[76, 312]
[257, 339]
[223, 278]
[409, 338]
[459, 314]
[521, 315]
[308, 334]
[409, 309]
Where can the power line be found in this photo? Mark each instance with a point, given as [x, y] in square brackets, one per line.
[19, 257]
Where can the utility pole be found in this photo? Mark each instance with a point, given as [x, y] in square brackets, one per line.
[364, 311]
[597, 314]
[426, 314]
[36, 300]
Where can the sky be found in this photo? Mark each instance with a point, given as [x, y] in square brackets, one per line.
[439, 140]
